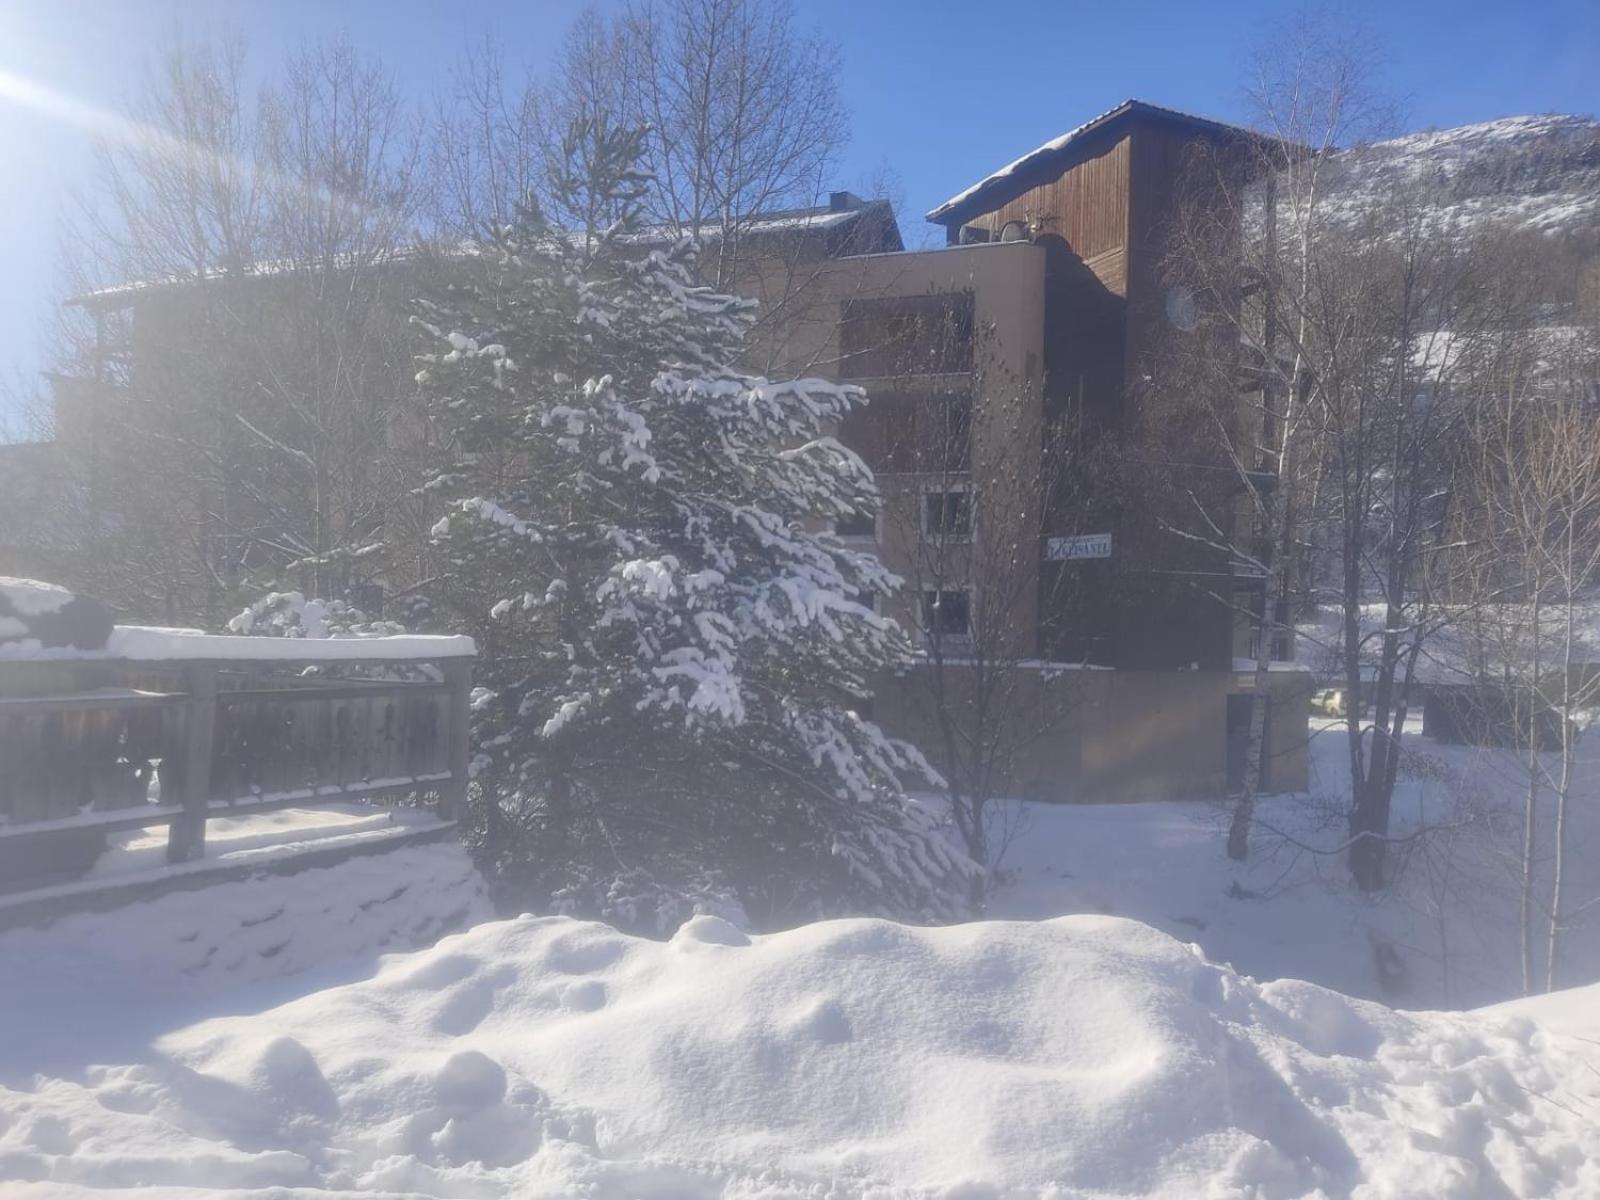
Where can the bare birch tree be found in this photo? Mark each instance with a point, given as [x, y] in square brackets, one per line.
[1246, 251]
[1528, 643]
[1358, 306]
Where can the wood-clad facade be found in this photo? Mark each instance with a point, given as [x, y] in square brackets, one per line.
[1162, 612]
[1101, 201]
[1086, 205]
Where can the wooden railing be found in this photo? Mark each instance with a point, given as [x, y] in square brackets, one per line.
[92, 746]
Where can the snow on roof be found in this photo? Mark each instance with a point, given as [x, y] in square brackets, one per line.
[819, 218]
[947, 211]
[1083, 1056]
[140, 643]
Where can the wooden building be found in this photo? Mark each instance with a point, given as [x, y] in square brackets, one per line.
[1049, 299]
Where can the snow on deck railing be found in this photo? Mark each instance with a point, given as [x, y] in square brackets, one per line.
[143, 643]
[172, 727]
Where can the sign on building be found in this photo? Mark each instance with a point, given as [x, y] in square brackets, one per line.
[1088, 545]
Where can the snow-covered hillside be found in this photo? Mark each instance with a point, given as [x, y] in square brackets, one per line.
[1535, 172]
[1083, 1057]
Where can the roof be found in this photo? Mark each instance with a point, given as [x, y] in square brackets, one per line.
[842, 211]
[1015, 177]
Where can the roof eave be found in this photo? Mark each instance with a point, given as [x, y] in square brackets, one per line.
[980, 197]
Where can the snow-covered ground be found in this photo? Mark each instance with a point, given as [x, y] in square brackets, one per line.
[96, 987]
[1080, 1057]
[1449, 917]
[248, 1040]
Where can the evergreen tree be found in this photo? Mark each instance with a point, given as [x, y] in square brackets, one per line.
[674, 654]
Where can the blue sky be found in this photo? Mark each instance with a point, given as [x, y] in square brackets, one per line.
[940, 92]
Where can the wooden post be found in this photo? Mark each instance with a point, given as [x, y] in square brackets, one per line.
[458, 730]
[186, 837]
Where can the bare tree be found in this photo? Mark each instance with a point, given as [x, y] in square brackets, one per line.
[1359, 307]
[248, 363]
[1526, 644]
[1246, 249]
[744, 123]
[972, 480]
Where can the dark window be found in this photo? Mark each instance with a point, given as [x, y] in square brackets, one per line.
[908, 433]
[946, 612]
[946, 513]
[1282, 638]
[907, 335]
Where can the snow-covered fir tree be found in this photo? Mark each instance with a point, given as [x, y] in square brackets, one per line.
[675, 650]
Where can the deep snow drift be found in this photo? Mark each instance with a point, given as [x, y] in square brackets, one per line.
[1081, 1057]
[97, 987]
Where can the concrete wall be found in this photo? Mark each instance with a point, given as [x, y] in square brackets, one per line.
[1091, 736]
[1006, 283]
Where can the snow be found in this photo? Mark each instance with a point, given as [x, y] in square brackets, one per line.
[96, 987]
[1534, 172]
[31, 598]
[1449, 916]
[1081, 1057]
[139, 643]
[1573, 1011]
[1461, 644]
[285, 831]
[247, 840]
[1135, 1026]
[1056, 144]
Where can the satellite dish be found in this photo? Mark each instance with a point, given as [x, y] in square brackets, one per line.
[1181, 308]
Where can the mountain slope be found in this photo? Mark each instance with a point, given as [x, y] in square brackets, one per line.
[1539, 173]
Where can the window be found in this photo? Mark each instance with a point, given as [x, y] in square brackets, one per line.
[947, 613]
[1280, 643]
[946, 513]
[906, 335]
[909, 432]
[1282, 649]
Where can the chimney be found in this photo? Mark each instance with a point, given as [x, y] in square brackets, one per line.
[844, 201]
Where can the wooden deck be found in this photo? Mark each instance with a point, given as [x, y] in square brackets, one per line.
[93, 746]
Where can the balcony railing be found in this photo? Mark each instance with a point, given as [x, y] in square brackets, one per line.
[95, 745]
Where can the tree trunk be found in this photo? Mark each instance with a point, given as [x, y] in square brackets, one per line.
[1244, 810]
[1529, 829]
[1530, 816]
[1563, 788]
